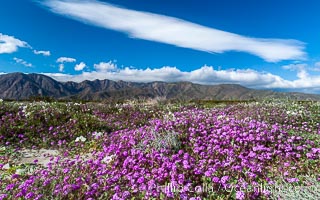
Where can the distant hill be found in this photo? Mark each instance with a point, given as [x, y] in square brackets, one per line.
[19, 86]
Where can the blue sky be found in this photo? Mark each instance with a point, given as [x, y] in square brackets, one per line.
[259, 44]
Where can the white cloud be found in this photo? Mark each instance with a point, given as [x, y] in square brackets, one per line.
[301, 69]
[9, 44]
[44, 53]
[305, 80]
[294, 67]
[174, 31]
[61, 67]
[65, 59]
[206, 75]
[105, 66]
[316, 67]
[22, 62]
[80, 66]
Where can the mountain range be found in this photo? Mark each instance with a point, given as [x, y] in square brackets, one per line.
[20, 86]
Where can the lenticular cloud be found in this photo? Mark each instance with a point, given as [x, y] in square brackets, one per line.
[174, 31]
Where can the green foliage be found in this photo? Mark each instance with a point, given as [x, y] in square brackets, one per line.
[284, 190]
[255, 143]
[160, 140]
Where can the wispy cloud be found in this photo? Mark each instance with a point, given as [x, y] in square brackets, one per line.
[22, 62]
[316, 67]
[44, 53]
[9, 44]
[65, 59]
[80, 66]
[174, 31]
[301, 69]
[206, 75]
[61, 67]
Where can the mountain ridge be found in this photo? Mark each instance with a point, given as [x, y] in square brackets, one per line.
[20, 86]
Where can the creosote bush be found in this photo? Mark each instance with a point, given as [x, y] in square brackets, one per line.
[157, 141]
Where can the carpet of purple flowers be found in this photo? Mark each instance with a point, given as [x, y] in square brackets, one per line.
[136, 151]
